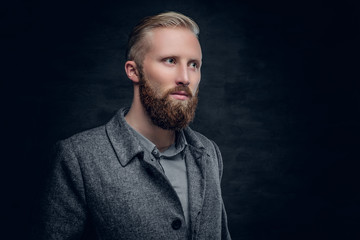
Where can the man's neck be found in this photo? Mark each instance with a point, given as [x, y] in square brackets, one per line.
[138, 119]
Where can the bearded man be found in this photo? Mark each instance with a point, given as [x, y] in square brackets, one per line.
[145, 174]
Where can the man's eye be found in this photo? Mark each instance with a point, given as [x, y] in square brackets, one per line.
[170, 60]
[194, 65]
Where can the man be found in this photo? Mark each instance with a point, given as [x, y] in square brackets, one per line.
[145, 174]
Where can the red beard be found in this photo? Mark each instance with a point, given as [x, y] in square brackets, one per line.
[165, 112]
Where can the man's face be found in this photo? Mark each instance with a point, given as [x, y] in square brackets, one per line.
[170, 77]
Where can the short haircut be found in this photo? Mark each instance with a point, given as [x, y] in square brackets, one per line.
[137, 45]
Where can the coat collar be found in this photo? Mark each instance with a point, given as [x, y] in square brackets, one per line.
[123, 141]
[127, 146]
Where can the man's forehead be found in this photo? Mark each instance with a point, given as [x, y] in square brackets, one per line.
[175, 41]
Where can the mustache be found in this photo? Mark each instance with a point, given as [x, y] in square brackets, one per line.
[179, 88]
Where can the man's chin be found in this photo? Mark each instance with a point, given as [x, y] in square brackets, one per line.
[176, 119]
[174, 101]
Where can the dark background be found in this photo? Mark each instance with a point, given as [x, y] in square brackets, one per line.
[279, 94]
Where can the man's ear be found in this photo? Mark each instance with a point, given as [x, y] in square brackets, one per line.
[132, 71]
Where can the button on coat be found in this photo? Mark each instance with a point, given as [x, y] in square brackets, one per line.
[176, 224]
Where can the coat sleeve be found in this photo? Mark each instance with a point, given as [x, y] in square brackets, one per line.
[64, 207]
[224, 226]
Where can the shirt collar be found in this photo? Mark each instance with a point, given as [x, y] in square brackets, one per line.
[174, 149]
[177, 147]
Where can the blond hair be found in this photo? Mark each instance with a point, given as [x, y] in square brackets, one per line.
[137, 44]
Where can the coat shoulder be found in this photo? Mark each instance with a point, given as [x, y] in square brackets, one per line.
[87, 140]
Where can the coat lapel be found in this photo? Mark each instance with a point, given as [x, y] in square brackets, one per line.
[196, 158]
[196, 180]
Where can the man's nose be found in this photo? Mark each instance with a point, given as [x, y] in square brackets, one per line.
[182, 77]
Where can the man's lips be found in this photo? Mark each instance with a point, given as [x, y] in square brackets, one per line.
[180, 95]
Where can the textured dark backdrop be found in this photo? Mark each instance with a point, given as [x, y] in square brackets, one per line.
[279, 94]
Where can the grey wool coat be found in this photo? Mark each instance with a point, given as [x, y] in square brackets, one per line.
[103, 185]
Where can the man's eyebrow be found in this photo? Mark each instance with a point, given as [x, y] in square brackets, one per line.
[195, 60]
[168, 56]
[177, 56]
